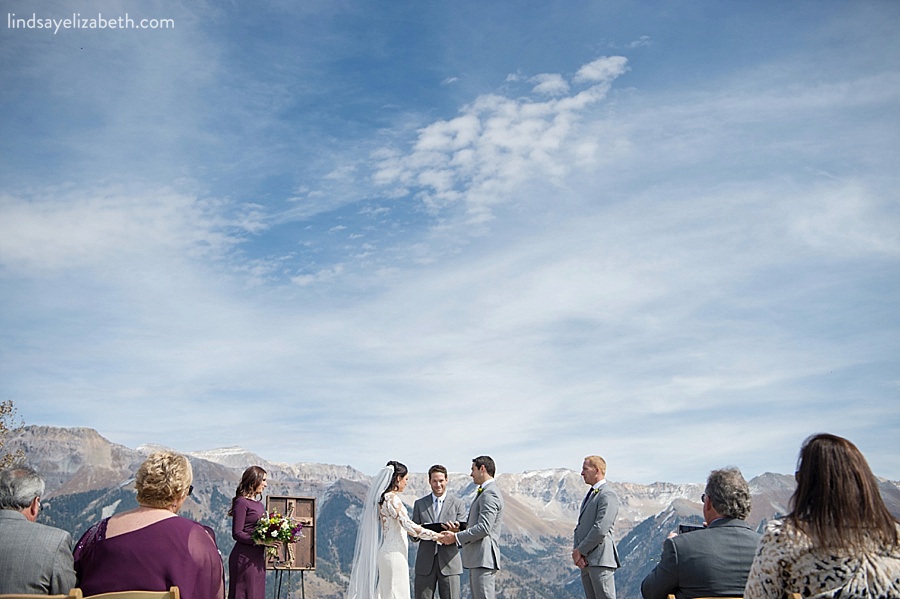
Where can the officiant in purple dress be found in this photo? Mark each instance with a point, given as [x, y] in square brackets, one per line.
[151, 548]
[247, 562]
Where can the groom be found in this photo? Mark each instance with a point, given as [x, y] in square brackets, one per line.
[480, 541]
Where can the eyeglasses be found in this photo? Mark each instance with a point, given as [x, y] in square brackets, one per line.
[703, 497]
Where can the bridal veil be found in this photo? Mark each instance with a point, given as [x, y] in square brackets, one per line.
[364, 571]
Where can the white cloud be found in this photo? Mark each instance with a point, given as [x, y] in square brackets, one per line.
[602, 70]
[322, 276]
[75, 228]
[550, 84]
[641, 42]
[849, 221]
[495, 145]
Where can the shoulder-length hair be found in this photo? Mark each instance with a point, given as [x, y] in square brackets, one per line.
[837, 502]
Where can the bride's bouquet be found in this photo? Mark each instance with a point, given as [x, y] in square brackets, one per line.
[273, 529]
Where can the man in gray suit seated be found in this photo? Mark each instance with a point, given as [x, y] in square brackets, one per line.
[34, 558]
[437, 566]
[480, 541]
[713, 561]
[595, 551]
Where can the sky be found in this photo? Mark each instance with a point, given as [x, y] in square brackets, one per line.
[349, 231]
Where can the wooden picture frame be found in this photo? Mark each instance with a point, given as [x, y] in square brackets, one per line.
[302, 553]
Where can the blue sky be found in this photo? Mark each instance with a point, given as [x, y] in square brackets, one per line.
[348, 232]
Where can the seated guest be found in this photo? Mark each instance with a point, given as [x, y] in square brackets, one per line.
[150, 547]
[713, 561]
[34, 559]
[839, 540]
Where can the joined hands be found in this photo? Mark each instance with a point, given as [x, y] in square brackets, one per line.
[448, 537]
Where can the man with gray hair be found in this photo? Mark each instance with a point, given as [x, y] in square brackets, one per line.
[713, 561]
[34, 558]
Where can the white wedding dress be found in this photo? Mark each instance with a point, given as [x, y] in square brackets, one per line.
[393, 564]
[380, 568]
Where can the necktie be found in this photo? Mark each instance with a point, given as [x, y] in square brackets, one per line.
[586, 497]
[479, 491]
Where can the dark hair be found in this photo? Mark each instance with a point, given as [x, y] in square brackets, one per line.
[437, 468]
[729, 493]
[250, 481]
[399, 472]
[837, 502]
[487, 462]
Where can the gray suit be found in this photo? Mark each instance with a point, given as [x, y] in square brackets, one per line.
[480, 541]
[437, 566]
[711, 562]
[34, 558]
[594, 539]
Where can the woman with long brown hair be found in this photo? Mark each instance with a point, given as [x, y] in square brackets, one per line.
[247, 562]
[839, 540]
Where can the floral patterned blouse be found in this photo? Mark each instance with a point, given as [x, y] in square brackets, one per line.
[786, 563]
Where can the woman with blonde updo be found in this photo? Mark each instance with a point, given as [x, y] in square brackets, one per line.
[151, 547]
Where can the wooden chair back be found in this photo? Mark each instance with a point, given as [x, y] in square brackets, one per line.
[671, 596]
[172, 593]
[73, 594]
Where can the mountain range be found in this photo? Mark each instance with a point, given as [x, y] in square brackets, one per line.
[89, 478]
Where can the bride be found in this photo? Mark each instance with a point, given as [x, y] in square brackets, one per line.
[382, 539]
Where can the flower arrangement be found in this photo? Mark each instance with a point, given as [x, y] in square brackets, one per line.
[273, 529]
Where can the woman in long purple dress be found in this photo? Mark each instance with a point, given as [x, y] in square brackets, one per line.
[151, 547]
[247, 562]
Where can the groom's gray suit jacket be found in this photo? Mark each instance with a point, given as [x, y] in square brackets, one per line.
[447, 556]
[480, 540]
[593, 534]
[34, 558]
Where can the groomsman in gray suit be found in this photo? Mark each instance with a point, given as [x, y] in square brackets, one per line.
[595, 551]
[480, 541]
[34, 558]
[437, 566]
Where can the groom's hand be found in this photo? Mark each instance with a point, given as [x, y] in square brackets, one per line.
[451, 526]
[447, 538]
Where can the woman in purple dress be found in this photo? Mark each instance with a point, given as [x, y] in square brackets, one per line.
[247, 562]
[151, 547]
